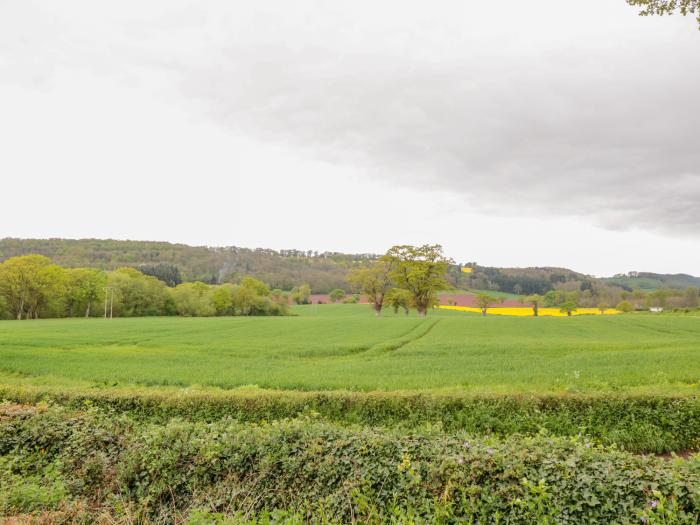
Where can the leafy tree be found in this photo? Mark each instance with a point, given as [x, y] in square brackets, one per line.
[668, 7]
[136, 294]
[484, 301]
[690, 297]
[259, 287]
[223, 299]
[279, 295]
[4, 309]
[603, 307]
[337, 294]
[374, 281]
[84, 287]
[168, 273]
[568, 307]
[535, 300]
[300, 294]
[194, 299]
[28, 282]
[420, 270]
[553, 298]
[624, 306]
[399, 298]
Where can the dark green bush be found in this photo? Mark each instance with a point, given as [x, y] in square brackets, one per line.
[294, 471]
[644, 423]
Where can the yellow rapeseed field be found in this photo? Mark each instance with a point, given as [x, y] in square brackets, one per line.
[527, 312]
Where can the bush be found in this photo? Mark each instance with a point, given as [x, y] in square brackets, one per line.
[643, 423]
[304, 469]
[625, 306]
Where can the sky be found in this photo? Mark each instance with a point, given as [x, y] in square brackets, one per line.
[549, 133]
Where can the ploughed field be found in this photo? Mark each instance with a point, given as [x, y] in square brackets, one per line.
[345, 347]
[335, 416]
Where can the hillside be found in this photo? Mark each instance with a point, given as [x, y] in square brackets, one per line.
[280, 269]
[653, 281]
[323, 271]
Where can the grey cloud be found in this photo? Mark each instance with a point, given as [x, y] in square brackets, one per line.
[611, 134]
[517, 118]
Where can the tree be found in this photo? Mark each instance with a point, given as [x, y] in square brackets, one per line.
[136, 294]
[553, 298]
[374, 282]
[4, 310]
[300, 294]
[194, 299]
[568, 307]
[398, 298]
[337, 294]
[535, 300]
[168, 273]
[84, 287]
[603, 307]
[484, 301]
[668, 7]
[259, 287]
[690, 297]
[222, 299]
[28, 282]
[420, 270]
[624, 306]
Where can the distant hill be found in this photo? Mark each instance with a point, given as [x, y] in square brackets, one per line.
[323, 271]
[280, 269]
[653, 281]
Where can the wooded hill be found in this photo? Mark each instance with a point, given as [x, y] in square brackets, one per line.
[284, 269]
[653, 281]
[175, 263]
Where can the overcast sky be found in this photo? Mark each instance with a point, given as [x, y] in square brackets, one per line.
[562, 133]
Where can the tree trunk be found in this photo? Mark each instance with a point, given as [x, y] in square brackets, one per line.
[568, 313]
[483, 312]
[377, 309]
[20, 309]
[537, 310]
[87, 311]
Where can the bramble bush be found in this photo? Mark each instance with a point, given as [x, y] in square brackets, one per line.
[94, 463]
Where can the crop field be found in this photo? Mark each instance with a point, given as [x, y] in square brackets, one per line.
[345, 347]
[334, 416]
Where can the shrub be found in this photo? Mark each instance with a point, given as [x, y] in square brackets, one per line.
[643, 423]
[313, 471]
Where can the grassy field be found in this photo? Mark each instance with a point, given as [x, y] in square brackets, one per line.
[334, 416]
[344, 347]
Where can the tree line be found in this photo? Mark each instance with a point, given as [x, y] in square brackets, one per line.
[32, 287]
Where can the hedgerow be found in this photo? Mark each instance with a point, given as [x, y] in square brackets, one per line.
[94, 463]
[637, 423]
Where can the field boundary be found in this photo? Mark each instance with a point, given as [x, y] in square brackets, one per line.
[638, 423]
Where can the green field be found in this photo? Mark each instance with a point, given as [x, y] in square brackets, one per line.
[344, 347]
[333, 416]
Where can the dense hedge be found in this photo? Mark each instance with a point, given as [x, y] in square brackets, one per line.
[644, 423]
[91, 464]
